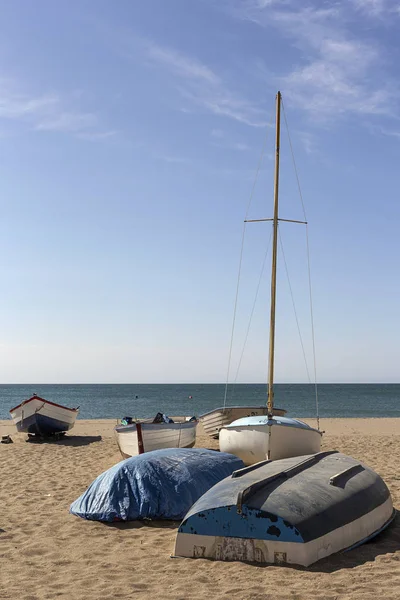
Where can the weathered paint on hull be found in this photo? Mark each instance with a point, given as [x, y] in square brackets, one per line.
[291, 511]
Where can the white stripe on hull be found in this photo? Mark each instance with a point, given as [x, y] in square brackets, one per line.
[156, 436]
[45, 409]
[270, 551]
[252, 442]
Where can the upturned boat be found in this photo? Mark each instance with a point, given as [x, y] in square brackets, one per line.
[290, 511]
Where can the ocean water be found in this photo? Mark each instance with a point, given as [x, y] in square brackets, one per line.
[116, 401]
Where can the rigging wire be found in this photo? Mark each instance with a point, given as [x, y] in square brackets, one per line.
[308, 264]
[252, 311]
[241, 256]
[294, 307]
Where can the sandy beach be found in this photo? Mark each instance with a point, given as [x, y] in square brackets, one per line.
[47, 553]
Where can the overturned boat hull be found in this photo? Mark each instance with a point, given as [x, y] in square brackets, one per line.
[145, 436]
[42, 417]
[291, 511]
[220, 417]
[254, 439]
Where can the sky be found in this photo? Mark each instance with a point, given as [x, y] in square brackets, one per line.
[133, 138]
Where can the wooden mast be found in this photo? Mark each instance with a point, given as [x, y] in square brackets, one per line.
[270, 402]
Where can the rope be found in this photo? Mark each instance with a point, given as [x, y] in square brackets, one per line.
[312, 327]
[241, 260]
[294, 308]
[308, 265]
[252, 310]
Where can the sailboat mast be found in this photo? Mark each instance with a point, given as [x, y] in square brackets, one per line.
[270, 402]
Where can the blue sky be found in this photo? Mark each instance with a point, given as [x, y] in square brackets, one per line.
[130, 134]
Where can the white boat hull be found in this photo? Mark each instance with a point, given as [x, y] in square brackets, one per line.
[255, 443]
[144, 437]
[41, 417]
[220, 417]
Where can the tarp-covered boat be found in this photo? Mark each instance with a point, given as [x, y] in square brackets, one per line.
[42, 417]
[162, 484]
[294, 510]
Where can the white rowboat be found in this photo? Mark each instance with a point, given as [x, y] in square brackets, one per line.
[145, 436]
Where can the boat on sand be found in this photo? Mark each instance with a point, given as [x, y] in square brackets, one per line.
[220, 417]
[255, 438]
[43, 418]
[290, 511]
[144, 435]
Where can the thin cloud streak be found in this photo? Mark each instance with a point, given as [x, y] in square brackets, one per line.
[45, 113]
[336, 76]
[202, 87]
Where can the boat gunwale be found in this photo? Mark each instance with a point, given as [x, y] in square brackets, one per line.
[268, 423]
[45, 401]
[226, 408]
[132, 426]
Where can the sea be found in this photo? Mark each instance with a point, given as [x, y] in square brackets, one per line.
[114, 401]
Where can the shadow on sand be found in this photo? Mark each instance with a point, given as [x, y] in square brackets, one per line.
[68, 440]
[386, 542]
[79, 440]
[147, 523]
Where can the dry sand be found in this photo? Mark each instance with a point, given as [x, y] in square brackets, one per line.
[47, 553]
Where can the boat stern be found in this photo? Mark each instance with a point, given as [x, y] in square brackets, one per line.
[247, 535]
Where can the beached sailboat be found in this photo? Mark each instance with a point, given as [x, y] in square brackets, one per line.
[257, 438]
[42, 417]
[145, 435]
[290, 511]
[219, 417]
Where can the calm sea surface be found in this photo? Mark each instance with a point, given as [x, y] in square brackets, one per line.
[116, 401]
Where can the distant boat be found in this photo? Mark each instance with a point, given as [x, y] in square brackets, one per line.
[220, 417]
[256, 438]
[145, 435]
[290, 511]
[42, 417]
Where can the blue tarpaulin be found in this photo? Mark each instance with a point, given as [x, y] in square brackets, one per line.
[163, 484]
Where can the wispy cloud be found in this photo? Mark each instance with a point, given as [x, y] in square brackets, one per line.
[238, 146]
[217, 133]
[199, 84]
[337, 72]
[377, 8]
[66, 122]
[183, 66]
[46, 112]
[174, 160]
[95, 136]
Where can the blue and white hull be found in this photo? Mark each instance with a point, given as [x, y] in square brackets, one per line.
[254, 439]
[291, 511]
[42, 417]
